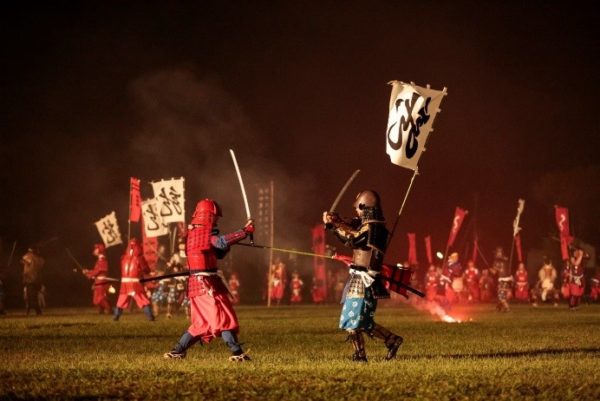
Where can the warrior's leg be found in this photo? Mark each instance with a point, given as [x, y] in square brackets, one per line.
[118, 313]
[237, 354]
[185, 342]
[358, 343]
[392, 341]
[148, 312]
[105, 305]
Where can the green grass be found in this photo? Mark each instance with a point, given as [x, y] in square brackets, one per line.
[298, 354]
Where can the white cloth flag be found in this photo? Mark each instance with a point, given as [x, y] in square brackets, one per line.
[109, 230]
[412, 111]
[153, 222]
[170, 199]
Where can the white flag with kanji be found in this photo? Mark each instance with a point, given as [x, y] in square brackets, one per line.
[109, 230]
[170, 199]
[154, 226]
[411, 113]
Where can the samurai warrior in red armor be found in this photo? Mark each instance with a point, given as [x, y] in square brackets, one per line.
[522, 283]
[212, 313]
[367, 236]
[278, 281]
[471, 278]
[98, 274]
[296, 285]
[576, 279]
[432, 278]
[133, 268]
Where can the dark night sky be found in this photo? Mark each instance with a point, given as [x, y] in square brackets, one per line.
[95, 92]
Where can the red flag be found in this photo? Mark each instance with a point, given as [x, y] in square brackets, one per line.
[412, 249]
[459, 217]
[518, 246]
[562, 222]
[135, 200]
[428, 249]
[319, 291]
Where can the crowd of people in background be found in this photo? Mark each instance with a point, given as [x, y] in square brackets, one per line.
[451, 284]
[446, 284]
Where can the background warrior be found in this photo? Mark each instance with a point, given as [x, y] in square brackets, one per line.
[367, 236]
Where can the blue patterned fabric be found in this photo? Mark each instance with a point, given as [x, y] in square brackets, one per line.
[159, 296]
[358, 312]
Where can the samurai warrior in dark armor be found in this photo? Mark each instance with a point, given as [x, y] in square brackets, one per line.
[505, 280]
[367, 236]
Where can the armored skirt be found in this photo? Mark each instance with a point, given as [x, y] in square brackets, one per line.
[359, 304]
[211, 309]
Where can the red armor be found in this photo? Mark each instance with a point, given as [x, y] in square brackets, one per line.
[133, 267]
[522, 285]
[98, 273]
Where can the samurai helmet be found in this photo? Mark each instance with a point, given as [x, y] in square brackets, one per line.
[207, 212]
[368, 205]
[100, 248]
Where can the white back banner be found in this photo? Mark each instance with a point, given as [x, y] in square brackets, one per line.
[170, 199]
[154, 226]
[412, 111]
[109, 230]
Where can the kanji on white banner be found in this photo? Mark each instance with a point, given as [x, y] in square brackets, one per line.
[170, 199]
[412, 111]
[109, 230]
[154, 226]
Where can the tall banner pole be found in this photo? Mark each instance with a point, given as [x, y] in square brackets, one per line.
[129, 215]
[271, 238]
[415, 173]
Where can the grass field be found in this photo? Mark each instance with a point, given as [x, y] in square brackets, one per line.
[545, 353]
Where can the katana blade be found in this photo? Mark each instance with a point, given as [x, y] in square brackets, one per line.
[243, 188]
[73, 259]
[343, 191]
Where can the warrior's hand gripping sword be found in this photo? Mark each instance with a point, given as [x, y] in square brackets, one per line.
[339, 197]
[243, 188]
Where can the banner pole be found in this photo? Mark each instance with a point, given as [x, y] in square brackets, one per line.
[271, 238]
[415, 173]
[129, 214]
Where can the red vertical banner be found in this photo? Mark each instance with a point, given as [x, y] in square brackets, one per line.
[428, 249]
[149, 248]
[519, 249]
[319, 288]
[561, 215]
[412, 249]
[135, 200]
[459, 217]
